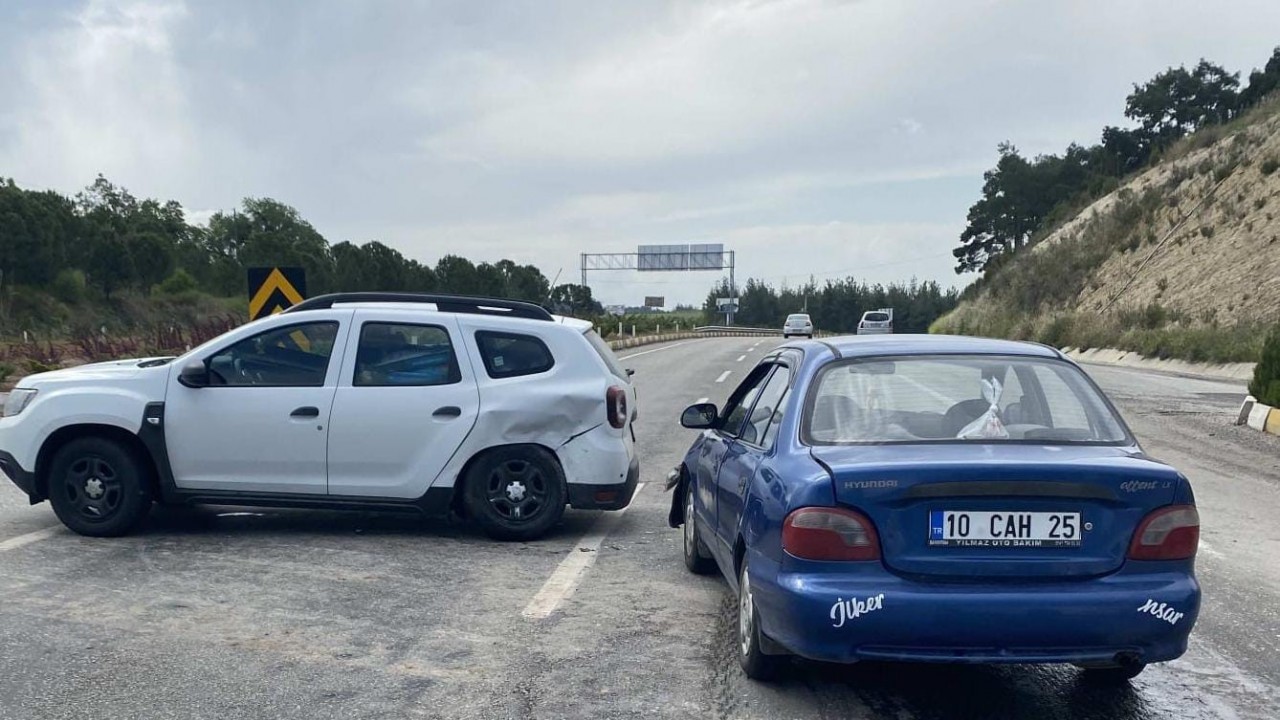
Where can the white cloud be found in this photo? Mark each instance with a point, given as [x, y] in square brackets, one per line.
[808, 135]
[106, 94]
[709, 79]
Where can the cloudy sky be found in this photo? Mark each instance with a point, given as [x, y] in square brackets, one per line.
[823, 138]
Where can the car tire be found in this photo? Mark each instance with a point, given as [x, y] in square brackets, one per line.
[696, 557]
[516, 493]
[1112, 674]
[98, 487]
[755, 664]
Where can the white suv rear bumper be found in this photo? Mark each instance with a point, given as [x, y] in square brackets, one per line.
[601, 469]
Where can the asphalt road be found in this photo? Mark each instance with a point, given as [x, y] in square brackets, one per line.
[219, 613]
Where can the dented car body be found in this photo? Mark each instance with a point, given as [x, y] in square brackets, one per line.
[923, 498]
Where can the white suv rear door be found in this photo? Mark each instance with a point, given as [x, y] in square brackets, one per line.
[406, 400]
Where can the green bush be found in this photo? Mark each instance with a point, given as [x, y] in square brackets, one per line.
[69, 286]
[1266, 376]
[1057, 331]
[179, 283]
[1269, 165]
[7, 370]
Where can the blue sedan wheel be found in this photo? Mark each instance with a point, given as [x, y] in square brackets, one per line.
[755, 663]
[696, 557]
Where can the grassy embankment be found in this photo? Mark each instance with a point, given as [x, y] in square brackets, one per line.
[1180, 262]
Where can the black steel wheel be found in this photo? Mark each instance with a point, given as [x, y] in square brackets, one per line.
[98, 487]
[516, 493]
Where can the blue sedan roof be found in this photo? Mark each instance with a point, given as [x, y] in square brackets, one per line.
[909, 344]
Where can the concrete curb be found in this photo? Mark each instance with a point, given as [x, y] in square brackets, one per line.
[1259, 416]
[649, 340]
[1125, 358]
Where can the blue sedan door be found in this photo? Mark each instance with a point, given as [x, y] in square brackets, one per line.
[747, 448]
[716, 448]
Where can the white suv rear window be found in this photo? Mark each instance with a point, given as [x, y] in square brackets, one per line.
[606, 354]
[512, 355]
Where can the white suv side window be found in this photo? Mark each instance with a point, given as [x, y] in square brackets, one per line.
[289, 356]
[512, 354]
[401, 354]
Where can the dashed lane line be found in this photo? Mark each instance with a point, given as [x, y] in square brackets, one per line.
[741, 358]
[699, 401]
[569, 573]
[14, 543]
[723, 375]
[646, 352]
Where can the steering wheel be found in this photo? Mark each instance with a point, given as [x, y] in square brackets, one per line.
[251, 377]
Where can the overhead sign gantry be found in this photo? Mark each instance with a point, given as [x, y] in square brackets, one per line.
[666, 258]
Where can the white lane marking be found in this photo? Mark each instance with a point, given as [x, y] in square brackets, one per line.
[569, 573]
[14, 543]
[1204, 547]
[702, 400]
[925, 388]
[741, 358]
[723, 375]
[664, 347]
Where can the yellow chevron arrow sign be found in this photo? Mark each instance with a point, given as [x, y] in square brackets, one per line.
[271, 290]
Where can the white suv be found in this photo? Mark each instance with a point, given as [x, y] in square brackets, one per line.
[876, 322]
[372, 401]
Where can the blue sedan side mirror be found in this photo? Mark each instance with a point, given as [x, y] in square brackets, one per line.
[700, 416]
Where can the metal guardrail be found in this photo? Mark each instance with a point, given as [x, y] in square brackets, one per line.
[737, 329]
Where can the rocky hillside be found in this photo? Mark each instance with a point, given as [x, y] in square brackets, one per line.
[1183, 260]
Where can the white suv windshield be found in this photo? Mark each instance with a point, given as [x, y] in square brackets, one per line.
[796, 318]
[876, 317]
[958, 398]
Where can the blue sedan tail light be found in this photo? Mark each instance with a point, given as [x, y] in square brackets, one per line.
[1169, 533]
[816, 533]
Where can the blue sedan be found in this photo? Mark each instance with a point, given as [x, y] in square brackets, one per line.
[937, 499]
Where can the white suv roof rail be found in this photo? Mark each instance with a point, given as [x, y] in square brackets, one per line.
[444, 303]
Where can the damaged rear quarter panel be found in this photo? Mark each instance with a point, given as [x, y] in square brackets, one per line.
[562, 409]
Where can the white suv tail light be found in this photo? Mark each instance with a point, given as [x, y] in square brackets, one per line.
[615, 400]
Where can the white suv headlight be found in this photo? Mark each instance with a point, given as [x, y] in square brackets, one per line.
[18, 401]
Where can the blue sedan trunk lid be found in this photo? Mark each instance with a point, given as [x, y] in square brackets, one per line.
[898, 485]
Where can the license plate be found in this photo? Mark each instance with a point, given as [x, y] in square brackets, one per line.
[970, 528]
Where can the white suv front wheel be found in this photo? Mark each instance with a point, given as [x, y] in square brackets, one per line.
[98, 487]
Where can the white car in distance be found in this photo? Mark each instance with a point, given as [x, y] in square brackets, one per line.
[797, 324]
[495, 409]
[876, 322]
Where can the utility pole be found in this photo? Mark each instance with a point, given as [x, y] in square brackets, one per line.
[733, 293]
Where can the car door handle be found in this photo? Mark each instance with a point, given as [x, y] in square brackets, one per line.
[448, 411]
[305, 412]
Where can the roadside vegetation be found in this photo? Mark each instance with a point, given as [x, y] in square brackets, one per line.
[105, 274]
[1265, 386]
[836, 305]
[1159, 240]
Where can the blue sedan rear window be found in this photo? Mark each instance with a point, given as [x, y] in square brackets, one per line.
[958, 398]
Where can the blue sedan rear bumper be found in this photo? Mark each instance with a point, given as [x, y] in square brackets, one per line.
[872, 614]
